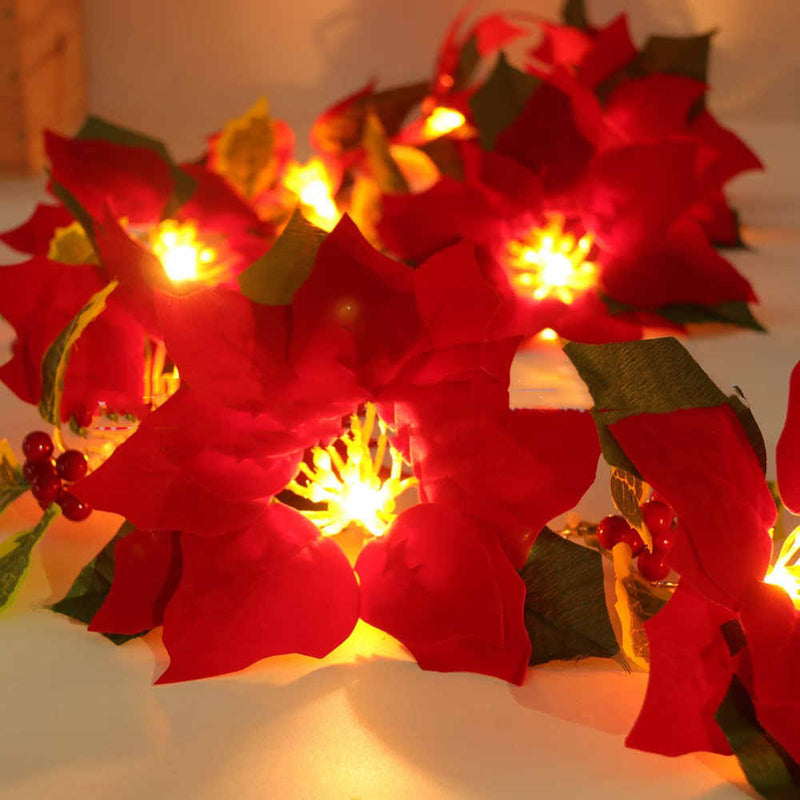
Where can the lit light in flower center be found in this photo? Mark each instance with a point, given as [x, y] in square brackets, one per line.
[183, 255]
[442, 120]
[311, 184]
[355, 487]
[786, 570]
[548, 262]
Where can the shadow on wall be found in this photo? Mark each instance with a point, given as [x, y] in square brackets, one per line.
[180, 73]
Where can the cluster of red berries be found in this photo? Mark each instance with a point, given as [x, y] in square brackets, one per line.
[660, 519]
[47, 476]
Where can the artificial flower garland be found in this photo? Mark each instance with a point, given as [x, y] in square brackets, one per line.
[299, 374]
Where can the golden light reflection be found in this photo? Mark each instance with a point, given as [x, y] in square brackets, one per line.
[441, 121]
[547, 335]
[311, 184]
[548, 262]
[184, 256]
[353, 485]
[786, 570]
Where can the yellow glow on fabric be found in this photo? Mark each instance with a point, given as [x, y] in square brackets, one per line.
[548, 262]
[786, 570]
[354, 486]
[312, 186]
[441, 121]
[183, 255]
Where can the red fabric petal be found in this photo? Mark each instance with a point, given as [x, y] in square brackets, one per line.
[445, 590]
[700, 461]
[633, 194]
[34, 235]
[273, 587]
[718, 220]
[134, 181]
[682, 267]
[612, 49]
[514, 469]
[25, 290]
[360, 298]
[652, 107]
[787, 456]
[690, 670]
[192, 468]
[562, 44]
[772, 626]
[545, 138]
[733, 156]
[147, 567]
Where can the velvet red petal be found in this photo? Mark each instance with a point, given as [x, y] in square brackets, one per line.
[772, 626]
[356, 295]
[681, 267]
[273, 587]
[690, 670]
[513, 469]
[733, 155]
[718, 220]
[147, 567]
[633, 194]
[562, 44]
[787, 455]
[612, 49]
[437, 584]
[134, 181]
[34, 235]
[28, 290]
[700, 461]
[178, 472]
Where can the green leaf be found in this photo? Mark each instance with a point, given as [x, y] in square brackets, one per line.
[71, 203]
[12, 483]
[99, 128]
[565, 605]
[382, 166]
[337, 133]
[91, 587]
[770, 770]
[15, 557]
[54, 365]
[274, 278]
[445, 154]
[500, 100]
[653, 376]
[574, 14]
[677, 55]
[735, 313]
[468, 60]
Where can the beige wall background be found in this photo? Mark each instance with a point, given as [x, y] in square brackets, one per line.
[178, 68]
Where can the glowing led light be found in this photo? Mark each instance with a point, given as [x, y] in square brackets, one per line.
[548, 335]
[548, 262]
[311, 185]
[350, 485]
[443, 120]
[183, 255]
[786, 570]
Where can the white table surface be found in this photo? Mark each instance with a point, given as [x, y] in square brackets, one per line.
[81, 719]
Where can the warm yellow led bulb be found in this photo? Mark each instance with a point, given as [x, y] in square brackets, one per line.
[183, 256]
[311, 184]
[441, 121]
[786, 570]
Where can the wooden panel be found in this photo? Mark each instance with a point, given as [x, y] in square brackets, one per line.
[42, 76]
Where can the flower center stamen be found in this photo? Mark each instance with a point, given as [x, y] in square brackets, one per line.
[354, 486]
[549, 262]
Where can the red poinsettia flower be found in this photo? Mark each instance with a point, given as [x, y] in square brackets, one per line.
[254, 573]
[640, 103]
[700, 461]
[125, 191]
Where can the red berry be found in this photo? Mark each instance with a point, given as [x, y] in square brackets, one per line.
[610, 530]
[631, 537]
[653, 566]
[36, 469]
[71, 465]
[37, 446]
[46, 488]
[73, 509]
[657, 516]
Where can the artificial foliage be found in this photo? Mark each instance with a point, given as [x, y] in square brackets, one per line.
[290, 381]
